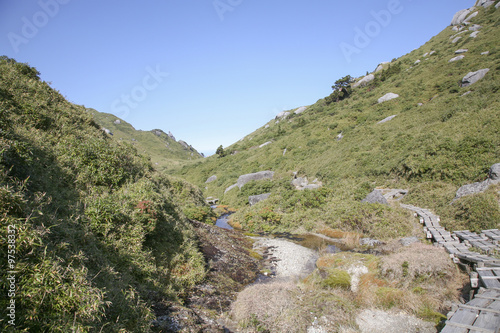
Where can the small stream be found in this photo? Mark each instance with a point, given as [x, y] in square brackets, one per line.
[310, 241]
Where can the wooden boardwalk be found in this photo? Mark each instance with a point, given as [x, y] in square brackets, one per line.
[482, 313]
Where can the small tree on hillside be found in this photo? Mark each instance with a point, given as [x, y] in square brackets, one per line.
[220, 151]
[341, 90]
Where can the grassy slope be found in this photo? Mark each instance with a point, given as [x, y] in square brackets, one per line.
[431, 149]
[163, 150]
[100, 237]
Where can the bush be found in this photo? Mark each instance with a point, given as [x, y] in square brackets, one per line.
[337, 278]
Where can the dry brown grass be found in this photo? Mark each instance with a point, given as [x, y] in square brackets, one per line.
[426, 276]
[285, 307]
[349, 238]
[418, 261]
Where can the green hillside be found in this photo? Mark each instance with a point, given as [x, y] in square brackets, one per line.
[164, 151]
[93, 238]
[443, 136]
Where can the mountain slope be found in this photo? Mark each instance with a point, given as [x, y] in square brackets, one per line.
[443, 135]
[97, 240]
[163, 148]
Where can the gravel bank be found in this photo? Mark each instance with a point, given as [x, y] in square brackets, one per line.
[288, 260]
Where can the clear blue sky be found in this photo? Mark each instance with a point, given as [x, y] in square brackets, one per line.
[210, 71]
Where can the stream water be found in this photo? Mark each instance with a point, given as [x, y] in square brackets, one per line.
[310, 241]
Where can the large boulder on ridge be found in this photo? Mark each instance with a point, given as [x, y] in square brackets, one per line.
[460, 16]
[242, 180]
[473, 77]
[387, 97]
[478, 187]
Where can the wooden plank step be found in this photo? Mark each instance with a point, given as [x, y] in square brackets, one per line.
[461, 321]
[490, 278]
[493, 234]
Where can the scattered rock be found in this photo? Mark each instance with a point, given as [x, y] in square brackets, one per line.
[356, 271]
[230, 268]
[117, 122]
[107, 131]
[478, 187]
[460, 17]
[211, 179]
[387, 97]
[291, 260]
[497, 5]
[417, 62]
[284, 152]
[300, 110]
[461, 51]
[230, 188]
[393, 194]
[242, 180]
[475, 27]
[485, 53]
[267, 126]
[332, 249]
[171, 136]
[364, 81]
[340, 136]
[460, 57]
[386, 119]
[381, 66]
[473, 77]
[252, 200]
[184, 144]
[456, 40]
[376, 196]
[301, 183]
[212, 201]
[484, 3]
[470, 17]
[370, 242]
[265, 144]
[465, 94]
[157, 132]
[474, 34]
[378, 321]
[283, 115]
[420, 104]
[409, 240]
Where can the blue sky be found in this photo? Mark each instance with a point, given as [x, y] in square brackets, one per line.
[211, 71]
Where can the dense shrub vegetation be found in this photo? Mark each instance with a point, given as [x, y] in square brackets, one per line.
[100, 237]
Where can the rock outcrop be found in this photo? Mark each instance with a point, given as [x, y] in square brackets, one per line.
[283, 115]
[301, 183]
[211, 179]
[364, 81]
[387, 97]
[460, 17]
[473, 77]
[253, 199]
[376, 196]
[300, 110]
[242, 180]
[478, 187]
[484, 3]
[387, 119]
[460, 57]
